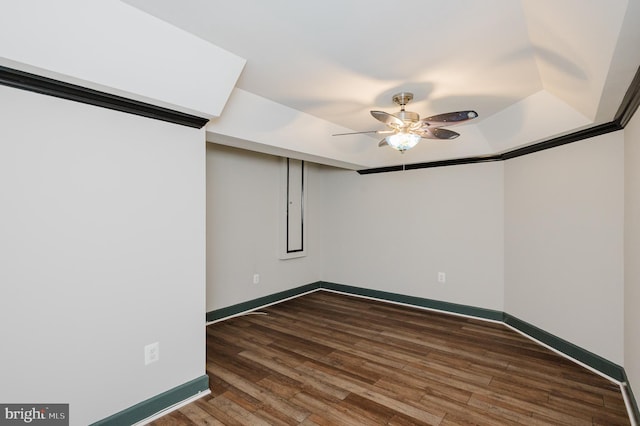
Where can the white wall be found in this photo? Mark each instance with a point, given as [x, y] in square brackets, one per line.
[102, 251]
[395, 231]
[243, 195]
[564, 242]
[632, 254]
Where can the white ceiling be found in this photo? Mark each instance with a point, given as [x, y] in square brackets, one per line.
[532, 69]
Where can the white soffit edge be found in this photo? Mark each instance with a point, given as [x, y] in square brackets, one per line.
[113, 47]
[252, 122]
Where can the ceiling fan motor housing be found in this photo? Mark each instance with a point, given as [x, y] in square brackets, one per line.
[407, 116]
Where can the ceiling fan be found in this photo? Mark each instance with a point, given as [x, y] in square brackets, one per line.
[406, 129]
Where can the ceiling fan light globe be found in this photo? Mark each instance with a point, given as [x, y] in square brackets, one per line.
[403, 141]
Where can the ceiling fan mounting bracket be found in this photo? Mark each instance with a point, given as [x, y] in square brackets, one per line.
[402, 98]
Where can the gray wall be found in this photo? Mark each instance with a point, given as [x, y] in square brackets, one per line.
[395, 231]
[632, 254]
[102, 244]
[564, 212]
[243, 227]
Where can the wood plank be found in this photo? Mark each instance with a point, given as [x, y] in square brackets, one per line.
[361, 389]
[304, 379]
[326, 413]
[263, 395]
[235, 413]
[331, 359]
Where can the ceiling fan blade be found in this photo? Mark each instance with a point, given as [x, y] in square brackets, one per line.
[449, 118]
[438, 133]
[382, 143]
[356, 133]
[386, 118]
[379, 132]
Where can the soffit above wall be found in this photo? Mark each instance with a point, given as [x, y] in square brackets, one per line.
[115, 48]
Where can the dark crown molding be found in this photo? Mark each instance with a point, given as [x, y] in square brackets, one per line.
[630, 102]
[627, 108]
[48, 86]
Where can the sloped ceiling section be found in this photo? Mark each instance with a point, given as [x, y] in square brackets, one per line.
[573, 58]
[532, 69]
[115, 48]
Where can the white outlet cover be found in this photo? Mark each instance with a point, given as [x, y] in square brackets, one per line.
[151, 353]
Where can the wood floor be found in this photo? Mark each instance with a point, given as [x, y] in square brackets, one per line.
[326, 358]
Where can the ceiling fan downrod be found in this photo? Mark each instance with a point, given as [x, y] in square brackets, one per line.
[402, 99]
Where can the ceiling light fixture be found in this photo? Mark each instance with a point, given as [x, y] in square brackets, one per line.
[405, 129]
[402, 141]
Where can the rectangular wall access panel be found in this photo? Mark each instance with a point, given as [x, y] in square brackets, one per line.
[295, 205]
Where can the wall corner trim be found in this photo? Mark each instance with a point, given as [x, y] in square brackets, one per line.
[157, 403]
[60, 89]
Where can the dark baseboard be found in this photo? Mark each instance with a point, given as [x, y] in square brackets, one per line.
[577, 353]
[356, 291]
[594, 361]
[416, 301]
[156, 404]
[259, 302]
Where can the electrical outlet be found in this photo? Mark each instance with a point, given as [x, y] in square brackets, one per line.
[256, 278]
[151, 353]
[442, 277]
